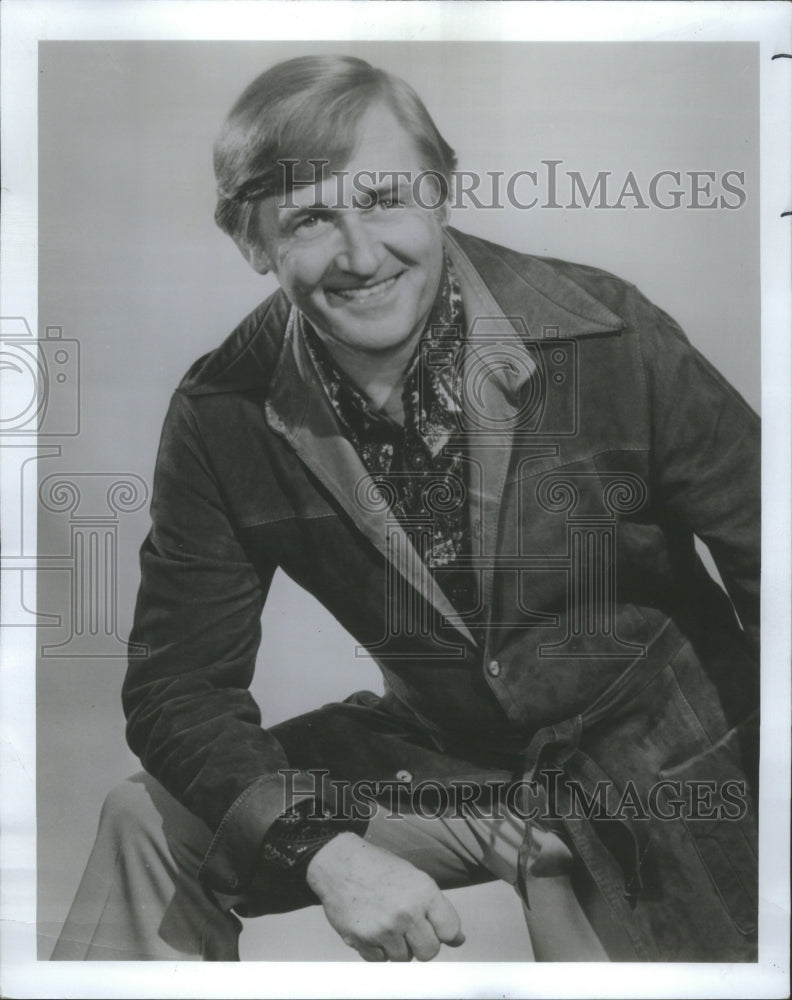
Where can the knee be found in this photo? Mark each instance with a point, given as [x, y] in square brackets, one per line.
[128, 811]
[139, 811]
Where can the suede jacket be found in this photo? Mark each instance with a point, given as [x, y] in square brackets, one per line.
[603, 653]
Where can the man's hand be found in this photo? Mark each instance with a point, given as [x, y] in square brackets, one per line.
[381, 905]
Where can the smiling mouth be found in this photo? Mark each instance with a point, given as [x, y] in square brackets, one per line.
[367, 293]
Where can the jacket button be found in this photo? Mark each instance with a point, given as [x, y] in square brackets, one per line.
[494, 668]
[404, 776]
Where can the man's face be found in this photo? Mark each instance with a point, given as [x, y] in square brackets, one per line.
[365, 277]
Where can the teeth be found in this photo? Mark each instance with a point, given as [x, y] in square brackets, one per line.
[361, 294]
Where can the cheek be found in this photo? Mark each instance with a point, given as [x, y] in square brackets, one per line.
[429, 248]
[301, 271]
[425, 233]
[428, 243]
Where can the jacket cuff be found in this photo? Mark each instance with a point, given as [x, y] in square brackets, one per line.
[301, 832]
[233, 855]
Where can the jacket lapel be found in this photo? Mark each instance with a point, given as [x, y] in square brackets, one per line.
[495, 367]
[299, 410]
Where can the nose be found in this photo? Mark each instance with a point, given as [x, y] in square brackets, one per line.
[361, 252]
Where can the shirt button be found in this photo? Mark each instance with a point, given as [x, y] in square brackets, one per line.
[494, 668]
[403, 776]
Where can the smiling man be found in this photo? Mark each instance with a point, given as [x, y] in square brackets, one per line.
[366, 280]
[490, 468]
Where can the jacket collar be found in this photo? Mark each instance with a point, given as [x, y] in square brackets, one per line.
[537, 291]
[511, 300]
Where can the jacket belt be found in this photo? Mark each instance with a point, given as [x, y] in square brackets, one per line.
[558, 746]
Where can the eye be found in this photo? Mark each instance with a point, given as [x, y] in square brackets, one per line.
[389, 201]
[311, 224]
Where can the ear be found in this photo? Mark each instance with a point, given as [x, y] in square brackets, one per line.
[254, 254]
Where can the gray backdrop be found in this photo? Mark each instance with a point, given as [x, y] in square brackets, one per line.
[132, 267]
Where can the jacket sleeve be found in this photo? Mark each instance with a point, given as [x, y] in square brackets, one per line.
[190, 716]
[706, 454]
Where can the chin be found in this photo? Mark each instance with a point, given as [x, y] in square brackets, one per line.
[369, 337]
[371, 344]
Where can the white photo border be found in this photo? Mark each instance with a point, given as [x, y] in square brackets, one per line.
[24, 23]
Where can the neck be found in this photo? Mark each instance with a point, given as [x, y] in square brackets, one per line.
[380, 375]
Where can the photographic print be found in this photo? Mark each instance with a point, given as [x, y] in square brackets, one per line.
[395, 496]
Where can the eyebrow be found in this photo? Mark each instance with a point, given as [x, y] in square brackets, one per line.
[292, 212]
[386, 185]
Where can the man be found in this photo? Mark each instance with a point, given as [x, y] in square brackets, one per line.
[490, 468]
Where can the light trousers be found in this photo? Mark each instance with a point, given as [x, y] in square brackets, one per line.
[140, 897]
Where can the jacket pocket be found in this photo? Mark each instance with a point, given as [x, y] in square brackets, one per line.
[723, 826]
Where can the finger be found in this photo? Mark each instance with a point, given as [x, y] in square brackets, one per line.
[422, 940]
[445, 921]
[372, 953]
[396, 948]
